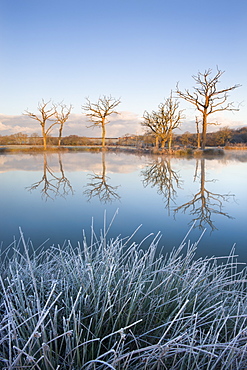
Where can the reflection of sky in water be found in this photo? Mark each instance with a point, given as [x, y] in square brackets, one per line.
[65, 217]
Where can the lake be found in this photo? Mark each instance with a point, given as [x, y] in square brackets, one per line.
[56, 196]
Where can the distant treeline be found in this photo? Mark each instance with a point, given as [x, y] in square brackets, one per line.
[224, 136]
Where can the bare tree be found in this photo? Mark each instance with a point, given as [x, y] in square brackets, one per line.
[46, 114]
[162, 122]
[207, 98]
[152, 123]
[99, 112]
[174, 116]
[62, 116]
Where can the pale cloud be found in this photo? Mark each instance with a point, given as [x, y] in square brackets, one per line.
[4, 127]
[77, 124]
[13, 124]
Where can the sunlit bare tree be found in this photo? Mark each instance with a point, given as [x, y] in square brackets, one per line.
[163, 121]
[151, 122]
[62, 113]
[207, 98]
[99, 112]
[46, 118]
[174, 117]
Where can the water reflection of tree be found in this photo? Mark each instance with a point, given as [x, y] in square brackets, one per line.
[100, 187]
[161, 176]
[52, 185]
[204, 203]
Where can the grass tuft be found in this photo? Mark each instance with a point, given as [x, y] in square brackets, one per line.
[108, 304]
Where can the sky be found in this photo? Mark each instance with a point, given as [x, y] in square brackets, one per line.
[135, 50]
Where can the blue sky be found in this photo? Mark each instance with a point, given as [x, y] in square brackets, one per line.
[136, 50]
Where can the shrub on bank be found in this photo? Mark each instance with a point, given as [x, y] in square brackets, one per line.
[108, 304]
[241, 146]
[184, 152]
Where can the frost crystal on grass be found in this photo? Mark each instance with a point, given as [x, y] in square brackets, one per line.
[110, 304]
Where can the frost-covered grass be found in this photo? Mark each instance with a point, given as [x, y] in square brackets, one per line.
[110, 305]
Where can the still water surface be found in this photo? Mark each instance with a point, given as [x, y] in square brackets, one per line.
[55, 196]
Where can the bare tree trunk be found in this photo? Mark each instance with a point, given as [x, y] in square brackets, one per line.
[60, 135]
[163, 142]
[170, 142]
[198, 134]
[157, 142]
[44, 137]
[204, 130]
[103, 135]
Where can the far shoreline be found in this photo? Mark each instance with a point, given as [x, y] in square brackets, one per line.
[176, 152]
